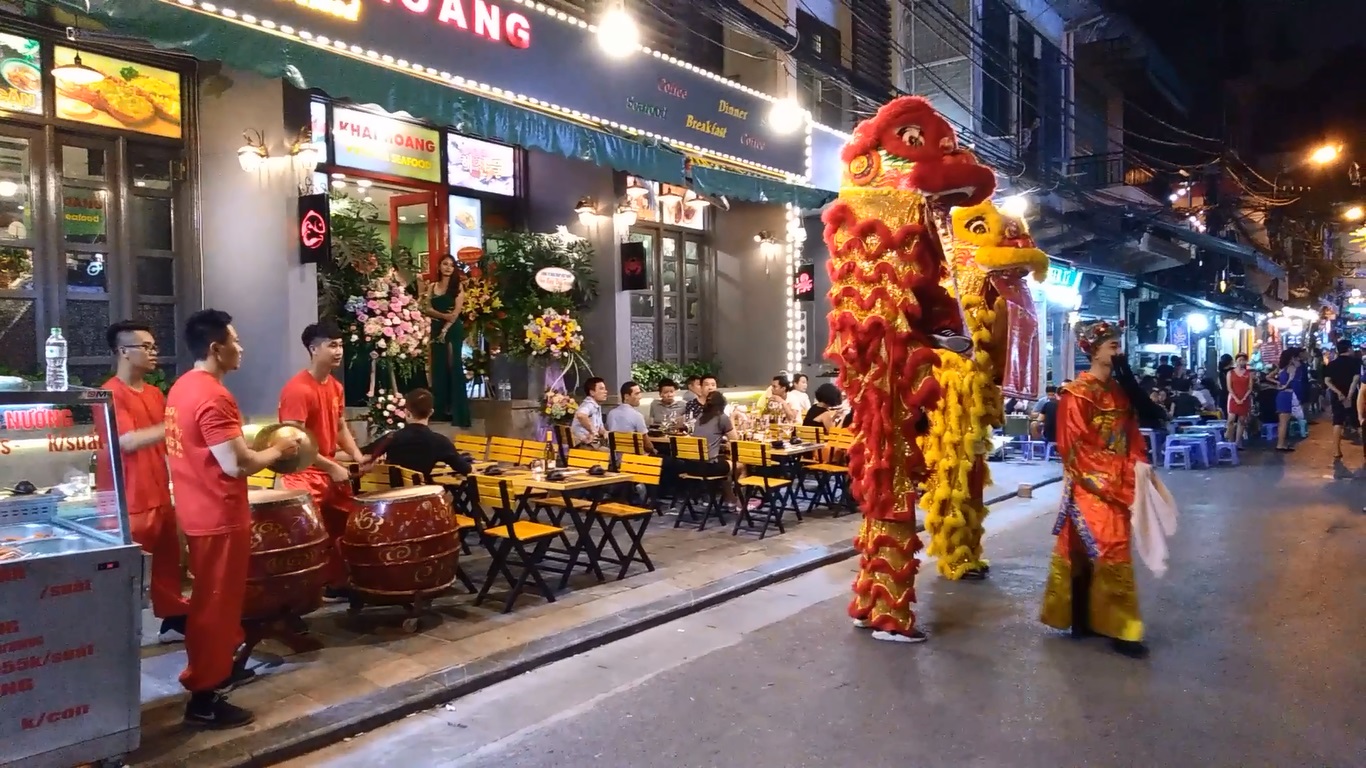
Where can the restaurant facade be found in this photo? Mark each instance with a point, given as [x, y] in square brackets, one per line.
[453, 120]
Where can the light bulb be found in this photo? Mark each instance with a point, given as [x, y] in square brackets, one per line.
[251, 158]
[786, 116]
[8, 189]
[1015, 206]
[306, 158]
[618, 35]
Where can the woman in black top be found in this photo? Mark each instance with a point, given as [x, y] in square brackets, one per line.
[826, 408]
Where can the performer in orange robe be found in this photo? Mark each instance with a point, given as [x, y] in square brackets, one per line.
[140, 410]
[314, 398]
[209, 462]
[1091, 578]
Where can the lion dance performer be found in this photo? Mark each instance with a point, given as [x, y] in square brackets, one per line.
[1091, 577]
[888, 315]
[991, 256]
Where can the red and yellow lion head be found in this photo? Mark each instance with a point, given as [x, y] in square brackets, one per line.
[997, 241]
[908, 145]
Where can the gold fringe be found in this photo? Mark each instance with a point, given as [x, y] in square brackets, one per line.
[1113, 603]
[959, 430]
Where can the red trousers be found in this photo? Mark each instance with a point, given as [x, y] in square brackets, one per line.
[214, 631]
[333, 502]
[155, 531]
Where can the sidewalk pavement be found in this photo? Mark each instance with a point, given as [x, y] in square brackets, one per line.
[370, 673]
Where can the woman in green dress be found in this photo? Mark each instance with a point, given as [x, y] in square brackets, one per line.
[446, 371]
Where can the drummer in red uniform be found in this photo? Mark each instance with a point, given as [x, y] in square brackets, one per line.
[314, 398]
[140, 411]
[210, 462]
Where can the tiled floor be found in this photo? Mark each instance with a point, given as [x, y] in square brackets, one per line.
[365, 653]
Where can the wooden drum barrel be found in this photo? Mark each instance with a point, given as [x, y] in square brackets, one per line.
[289, 548]
[403, 542]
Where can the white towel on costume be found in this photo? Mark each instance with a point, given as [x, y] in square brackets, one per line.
[1154, 518]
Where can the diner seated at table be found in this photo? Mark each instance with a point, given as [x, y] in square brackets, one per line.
[417, 447]
[797, 397]
[627, 417]
[668, 406]
[829, 410]
[716, 428]
[773, 401]
[587, 428]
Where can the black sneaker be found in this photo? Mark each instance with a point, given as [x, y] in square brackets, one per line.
[172, 630]
[336, 595]
[240, 675]
[210, 709]
[1130, 648]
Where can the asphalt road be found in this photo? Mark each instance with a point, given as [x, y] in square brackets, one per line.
[1257, 660]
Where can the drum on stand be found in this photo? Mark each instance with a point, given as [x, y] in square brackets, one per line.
[285, 576]
[402, 547]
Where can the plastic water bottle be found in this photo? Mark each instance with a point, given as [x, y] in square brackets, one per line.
[504, 390]
[56, 361]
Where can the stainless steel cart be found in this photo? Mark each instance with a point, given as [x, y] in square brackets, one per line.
[71, 585]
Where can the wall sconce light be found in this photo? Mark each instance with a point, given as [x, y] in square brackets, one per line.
[669, 197]
[587, 210]
[76, 73]
[769, 247]
[634, 189]
[253, 154]
[695, 201]
[625, 215]
[304, 152]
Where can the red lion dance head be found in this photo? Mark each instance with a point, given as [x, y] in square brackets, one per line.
[903, 168]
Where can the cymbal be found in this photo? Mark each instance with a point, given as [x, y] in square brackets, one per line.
[308, 446]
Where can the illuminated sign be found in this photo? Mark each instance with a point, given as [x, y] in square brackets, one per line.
[649, 94]
[804, 284]
[372, 142]
[315, 230]
[1065, 277]
[38, 418]
[21, 80]
[481, 165]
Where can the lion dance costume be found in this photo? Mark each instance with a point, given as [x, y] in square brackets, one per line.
[990, 258]
[887, 308]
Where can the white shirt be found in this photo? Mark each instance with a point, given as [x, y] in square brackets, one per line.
[799, 400]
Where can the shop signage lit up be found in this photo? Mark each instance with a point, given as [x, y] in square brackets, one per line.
[315, 229]
[565, 67]
[1065, 277]
[380, 144]
[804, 283]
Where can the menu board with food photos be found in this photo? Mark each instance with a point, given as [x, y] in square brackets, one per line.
[21, 76]
[673, 211]
[130, 97]
[480, 165]
[467, 223]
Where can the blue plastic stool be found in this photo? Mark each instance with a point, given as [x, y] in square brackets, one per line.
[1299, 428]
[1226, 452]
[1180, 451]
[1269, 431]
[1049, 452]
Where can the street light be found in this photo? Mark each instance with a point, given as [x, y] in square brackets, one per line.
[1355, 213]
[1325, 154]
[1015, 206]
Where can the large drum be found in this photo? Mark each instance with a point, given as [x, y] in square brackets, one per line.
[289, 548]
[401, 543]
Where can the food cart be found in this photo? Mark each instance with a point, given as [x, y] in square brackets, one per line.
[71, 585]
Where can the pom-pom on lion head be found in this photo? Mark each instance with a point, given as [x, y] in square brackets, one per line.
[909, 145]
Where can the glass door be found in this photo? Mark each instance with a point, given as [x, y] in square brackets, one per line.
[669, 317]
[88, 247]
[415, 227]
[19, 313]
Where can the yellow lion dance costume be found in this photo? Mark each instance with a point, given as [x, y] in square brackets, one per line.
[991, 256]
[903, 167]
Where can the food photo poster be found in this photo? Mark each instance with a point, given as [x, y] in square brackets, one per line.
[130, 97]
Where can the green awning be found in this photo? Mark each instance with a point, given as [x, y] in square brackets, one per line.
[213, 39]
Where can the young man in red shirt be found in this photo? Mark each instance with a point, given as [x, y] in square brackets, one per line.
[140, 413]
[314, 398]
[210, 462]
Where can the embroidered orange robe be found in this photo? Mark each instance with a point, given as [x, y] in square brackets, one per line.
[1100, 444]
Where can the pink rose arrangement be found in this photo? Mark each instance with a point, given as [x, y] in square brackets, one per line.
[389, 322]
[388, 411]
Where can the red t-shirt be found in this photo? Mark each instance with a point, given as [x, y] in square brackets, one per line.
[146, 480]
[201, 412]
[317, 405]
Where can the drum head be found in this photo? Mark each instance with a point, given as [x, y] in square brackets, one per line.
[398, 494]
[262, 496]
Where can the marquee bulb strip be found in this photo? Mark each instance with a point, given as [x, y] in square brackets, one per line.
[484, 89]
[792, 249]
